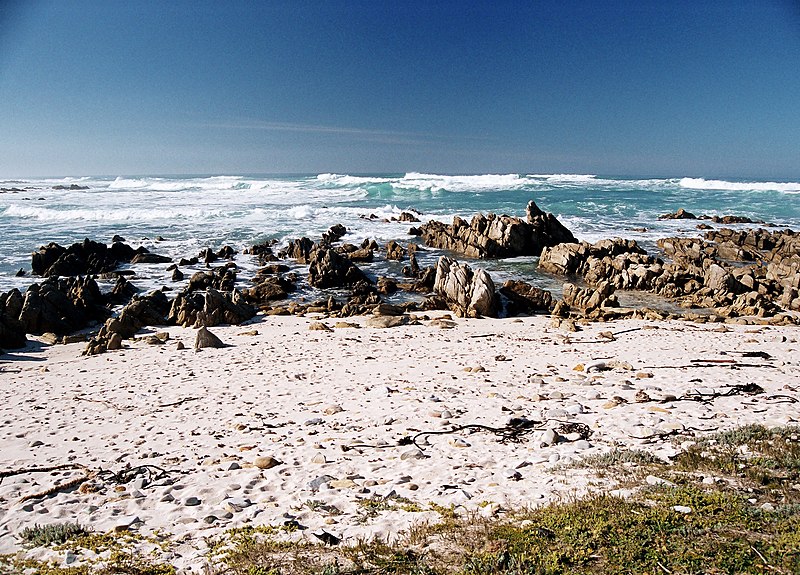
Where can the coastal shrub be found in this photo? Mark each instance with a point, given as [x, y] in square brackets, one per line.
[53, 534]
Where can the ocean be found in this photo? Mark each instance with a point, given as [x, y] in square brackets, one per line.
[190, 213]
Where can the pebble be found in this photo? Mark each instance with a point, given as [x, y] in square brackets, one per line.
[549, 437]
[459, 442]
[574, 409]
[554, 458]
[263, 462]
[653, 480]
[412, 454]
[512, 474]
[191, 501]
[682, 509]
[319, 459]
[342, 483]
[581, 445]
[333, 409]
[316, 483]
[314, 421]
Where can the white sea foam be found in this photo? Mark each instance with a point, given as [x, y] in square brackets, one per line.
[107, 214]
[703, 184]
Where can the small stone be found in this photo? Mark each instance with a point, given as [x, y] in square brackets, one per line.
[644, 375]
[319, 458]
[264, 462]
[549, 437]
[512, 474]
[413, 454]
[191, 501]
[581, 445]
[458, 442]
[314, 421]
[333, 409]
[342, 483]
[167, 498]
[554, 458]
[769, 507]
[319, 326]
[36, 443]
[179, 346]
[233, 466]
[682, 509]
[316, 483]
[653, 480]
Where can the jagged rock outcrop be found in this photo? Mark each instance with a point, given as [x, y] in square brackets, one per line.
[221, 278]
[148, 310]
[268, 288]
[87, 258]
[468, 293]
[496, 236]
[209, 308]
[298, 250]
[12, 332]
[328, 269]
[62, 305]
[395, 251]
[522, 297]
[589, 299]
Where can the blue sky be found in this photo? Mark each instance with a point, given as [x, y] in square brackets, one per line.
[671, 88]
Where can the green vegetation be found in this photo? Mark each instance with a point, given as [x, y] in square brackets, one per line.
[734, 508]
[53, 534]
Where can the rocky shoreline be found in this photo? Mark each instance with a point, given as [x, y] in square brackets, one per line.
[743, 276]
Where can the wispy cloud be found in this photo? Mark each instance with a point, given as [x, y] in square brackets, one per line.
[386, 136]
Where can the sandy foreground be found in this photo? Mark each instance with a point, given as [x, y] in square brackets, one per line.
[299, 396]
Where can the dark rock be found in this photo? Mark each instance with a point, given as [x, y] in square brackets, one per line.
[524, 298]
[267, 289]
[117, 238]
[329, 269]
[207, 339]
[394, 251]
[495, 236]
[123, 291]
[334, 234]
[62, 305]
[298, 250]
[210, 308]
[408, 217]
[149, 258]
[226, 252]
[177, 275]
[12, 332]
[20, 273]
[681, 214]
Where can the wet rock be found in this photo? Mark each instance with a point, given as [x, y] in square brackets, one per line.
[496, 236]
[681, 214]
[328, 269]
[524, 298]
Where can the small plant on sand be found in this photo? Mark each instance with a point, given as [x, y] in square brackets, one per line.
[53, 534]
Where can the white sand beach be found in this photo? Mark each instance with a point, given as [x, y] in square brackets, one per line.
[263, 431]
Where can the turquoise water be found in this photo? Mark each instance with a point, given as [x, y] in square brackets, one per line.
[193, 212]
